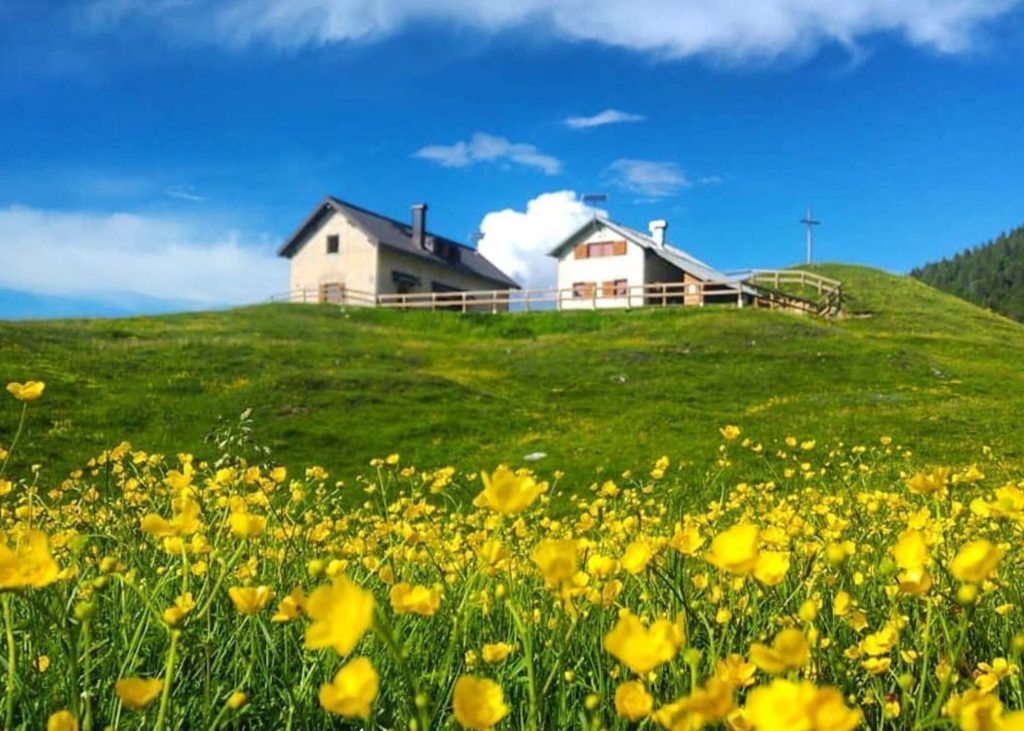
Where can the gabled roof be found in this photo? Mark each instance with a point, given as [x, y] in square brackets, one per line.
[675, 257]
[397, 235]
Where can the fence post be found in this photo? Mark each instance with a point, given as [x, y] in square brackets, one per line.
[527, 301]
[494, 302]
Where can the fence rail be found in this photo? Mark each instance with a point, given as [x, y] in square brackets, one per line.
[760, 288]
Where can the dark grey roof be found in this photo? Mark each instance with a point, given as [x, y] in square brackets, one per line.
[397, 235]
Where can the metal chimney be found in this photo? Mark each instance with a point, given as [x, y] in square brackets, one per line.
[657, 229]
[419, 225]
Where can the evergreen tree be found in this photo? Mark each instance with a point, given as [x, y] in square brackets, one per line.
[990, 275]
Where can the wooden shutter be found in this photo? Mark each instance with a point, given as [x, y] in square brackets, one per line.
[608, 289]
[581, 251]
[620, 248]
[588, 289]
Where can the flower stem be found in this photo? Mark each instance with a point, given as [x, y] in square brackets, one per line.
[14, 442]
[528, 657]
[5, 598]
[165, 697]
[419, 707]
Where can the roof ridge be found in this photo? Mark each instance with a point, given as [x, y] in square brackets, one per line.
[396, 222]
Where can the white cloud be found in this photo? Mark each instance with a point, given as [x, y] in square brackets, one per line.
[648, 178]
[518, 241]
[483, 147]
[107, 255]
[736, 30]
[608, 116]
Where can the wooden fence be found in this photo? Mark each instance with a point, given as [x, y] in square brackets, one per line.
[758, 288]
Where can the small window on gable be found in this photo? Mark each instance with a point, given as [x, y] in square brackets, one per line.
[332, 244]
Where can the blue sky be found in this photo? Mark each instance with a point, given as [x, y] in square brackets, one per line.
[165, 148]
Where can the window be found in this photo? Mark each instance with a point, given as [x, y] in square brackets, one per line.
[583, 289]
[332, 244]
[600, 248]
[615, 288]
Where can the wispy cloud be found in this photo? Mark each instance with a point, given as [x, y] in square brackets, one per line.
[482, 147]
[185, 193]
[673, 29]
[103, 255]
[647, 178]
[608, 116]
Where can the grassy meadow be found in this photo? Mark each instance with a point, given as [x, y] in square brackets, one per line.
[743, 519]
[596, 392]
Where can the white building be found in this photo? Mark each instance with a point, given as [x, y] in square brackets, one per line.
[344, 253]
[606, 264]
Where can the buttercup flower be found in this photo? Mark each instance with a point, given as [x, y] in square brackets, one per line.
[406, 599]
[352, 691]
[478, 703]
[632, 701]
[508, 492]
[735, 550]
[137, 693]
[976, 561]
[62, 721]
[28, 563]
[789, 651]
[341, 612]
[27, 391]
[250, 599]
[641, 648]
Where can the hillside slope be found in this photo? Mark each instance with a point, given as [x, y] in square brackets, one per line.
[592, 390]
[990, 275]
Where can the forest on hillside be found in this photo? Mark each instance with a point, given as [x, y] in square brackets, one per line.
[990, 275]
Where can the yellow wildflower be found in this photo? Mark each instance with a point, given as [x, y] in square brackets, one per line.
[137, 693]
[790, 650]
[341, 612]
[246, 525]
[27, 391]
[352, 691]
[496, 652]
[735, 550]
[638, 554]
[632, 701]
[29, 563]
[508, 492]
[408, 599]
[976, 561]
[770, 567]
[291, 606]
[478, 703]
[250, 599]
[556, 559]
[641, 648]
[61, 721]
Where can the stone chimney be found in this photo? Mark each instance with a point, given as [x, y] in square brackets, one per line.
[657, 229]
[419, 225]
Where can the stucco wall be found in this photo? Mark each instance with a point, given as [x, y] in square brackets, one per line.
[628, 266]
[354, 266]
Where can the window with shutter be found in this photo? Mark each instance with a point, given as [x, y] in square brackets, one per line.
[619, 249]
[582, 251]
[608, 289]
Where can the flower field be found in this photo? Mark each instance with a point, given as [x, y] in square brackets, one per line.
[820, 587]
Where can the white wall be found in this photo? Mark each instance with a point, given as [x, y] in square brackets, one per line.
[354, 266]
[598, 270]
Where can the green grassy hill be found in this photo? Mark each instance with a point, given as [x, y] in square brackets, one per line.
[592, 390]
